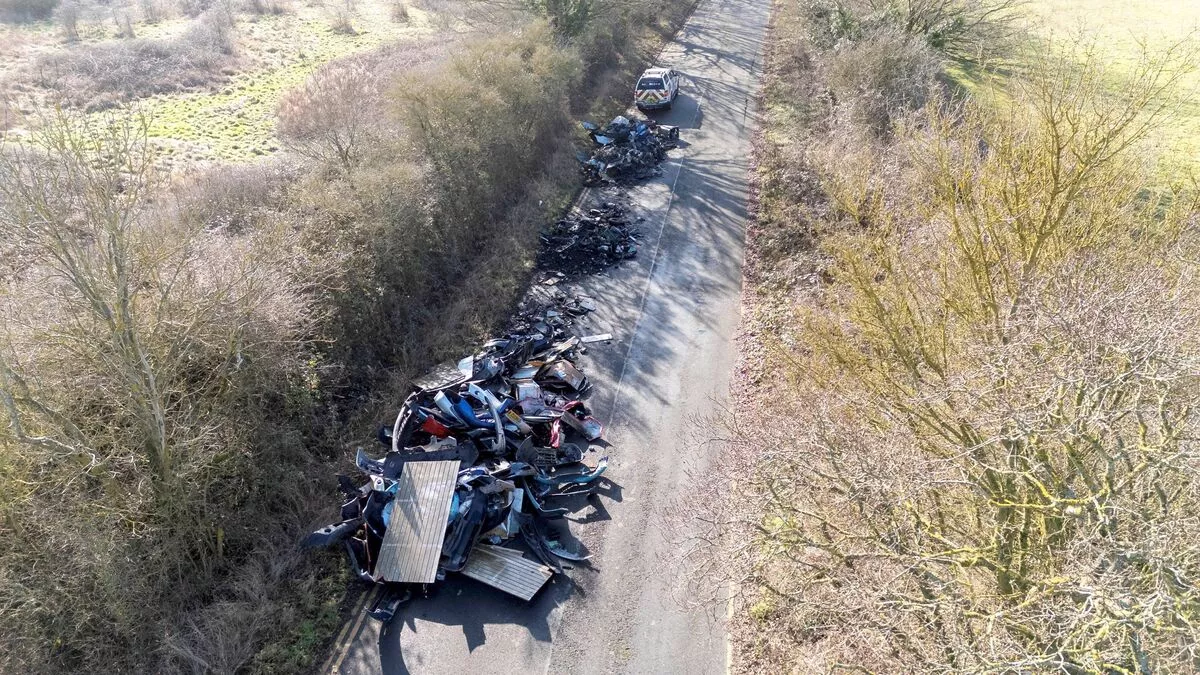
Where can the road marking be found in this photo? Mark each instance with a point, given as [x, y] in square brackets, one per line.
[345, 639]
[653, 266]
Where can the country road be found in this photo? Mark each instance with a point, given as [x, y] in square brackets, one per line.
[673, 312]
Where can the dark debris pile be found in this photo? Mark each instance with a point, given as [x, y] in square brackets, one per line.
[589, 243]
[627, 150]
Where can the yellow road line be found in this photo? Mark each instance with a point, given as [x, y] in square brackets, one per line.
[345, 639]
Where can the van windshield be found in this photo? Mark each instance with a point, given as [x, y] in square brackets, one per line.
[650, 83]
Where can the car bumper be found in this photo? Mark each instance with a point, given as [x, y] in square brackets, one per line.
[652, 106]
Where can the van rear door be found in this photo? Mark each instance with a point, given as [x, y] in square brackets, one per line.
[651, 91]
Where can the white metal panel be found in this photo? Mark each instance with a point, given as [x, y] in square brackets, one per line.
[412, 545]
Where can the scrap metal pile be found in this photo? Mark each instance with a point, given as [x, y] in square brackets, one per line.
[477, 455]
[484, 450]
[626, 150]
[589, 243]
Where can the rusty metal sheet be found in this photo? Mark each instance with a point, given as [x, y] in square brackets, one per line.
[421, 510]
[507, 570]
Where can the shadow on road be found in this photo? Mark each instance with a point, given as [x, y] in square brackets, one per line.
[468, 604]
[663, 307]
[458, 601]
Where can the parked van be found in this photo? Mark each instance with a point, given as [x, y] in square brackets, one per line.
[656, 88]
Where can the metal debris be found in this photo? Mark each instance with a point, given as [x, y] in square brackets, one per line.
[483, 449]
[626, 150]
[476, 456]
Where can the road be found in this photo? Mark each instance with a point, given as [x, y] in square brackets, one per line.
[673, 312]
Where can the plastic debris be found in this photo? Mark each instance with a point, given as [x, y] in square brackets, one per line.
[507, 426]
[626, 150]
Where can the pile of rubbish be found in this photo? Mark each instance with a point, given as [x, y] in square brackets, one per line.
[626, 150]
[476, 457]
[589, 243]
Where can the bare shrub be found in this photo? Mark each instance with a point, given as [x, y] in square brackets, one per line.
[961, 29]
[98, 76]
[400, 11]
[262, 7]
[140, 359]
[991, 464]
[151, 12]
[342, 112]
[194, 8]
[485, 120]
[125, 31]
[237, 198]
[879, 75]
[67, 15]
[342, 15]
[335, 117]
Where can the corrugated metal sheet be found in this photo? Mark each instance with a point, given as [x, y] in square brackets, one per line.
[413, 542]
[507, 570]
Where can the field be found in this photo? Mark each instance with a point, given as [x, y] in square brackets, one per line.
[231, 117]
[1119, 31]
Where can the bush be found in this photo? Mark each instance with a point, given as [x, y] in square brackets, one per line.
[144, 362]
[262, 7]
[461, 144]
[99, 76]
[342, 14]
[882, 74]
[335, 117]
[67, 14]
[488, 119]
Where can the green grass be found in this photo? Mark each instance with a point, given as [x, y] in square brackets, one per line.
[237, 122]
[233, 121]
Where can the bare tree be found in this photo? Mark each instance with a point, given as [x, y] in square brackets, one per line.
[135, 352]
[990, 462]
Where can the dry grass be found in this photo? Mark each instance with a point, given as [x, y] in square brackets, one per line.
[868, 545]
[100, 76]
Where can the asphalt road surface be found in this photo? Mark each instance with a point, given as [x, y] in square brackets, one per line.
[673, 311]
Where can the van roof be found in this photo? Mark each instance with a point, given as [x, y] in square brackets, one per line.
[654, 72]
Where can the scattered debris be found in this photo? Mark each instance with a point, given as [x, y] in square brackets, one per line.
[626, 150]
[474, 459]
[483, 446]
[586, 243]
